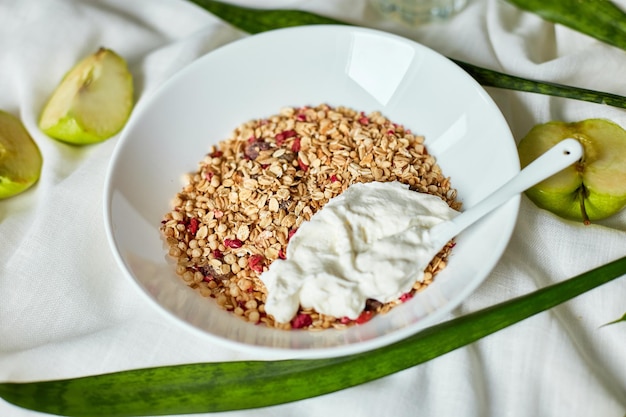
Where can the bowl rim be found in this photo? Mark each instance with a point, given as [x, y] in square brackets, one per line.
[146, 100]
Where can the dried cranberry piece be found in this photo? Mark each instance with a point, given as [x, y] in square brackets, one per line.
[282, 136]
[301, 320]
[406, 297]
[256, 263]
[301, 165]
[296, 145]
[233, 243]
[364, 317]
[192, 227]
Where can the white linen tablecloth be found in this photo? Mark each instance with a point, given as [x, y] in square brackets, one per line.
[66, 310]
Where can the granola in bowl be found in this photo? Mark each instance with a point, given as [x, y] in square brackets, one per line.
[252, 191]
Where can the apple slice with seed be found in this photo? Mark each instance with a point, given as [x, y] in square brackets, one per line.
[592, 189]
[20, 158]
[92, 102]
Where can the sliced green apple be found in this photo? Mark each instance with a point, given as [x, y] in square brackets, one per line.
[592, 189]
[20, 158]
[92, 102]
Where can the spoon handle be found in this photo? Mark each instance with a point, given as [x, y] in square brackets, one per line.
[560, 156]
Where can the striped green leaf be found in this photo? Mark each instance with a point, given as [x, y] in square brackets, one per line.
[223, 386]
[621, 319]
[593, 19]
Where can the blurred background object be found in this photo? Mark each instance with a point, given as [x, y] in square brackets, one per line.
[416, 12]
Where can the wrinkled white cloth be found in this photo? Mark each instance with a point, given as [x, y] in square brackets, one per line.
[66, 309]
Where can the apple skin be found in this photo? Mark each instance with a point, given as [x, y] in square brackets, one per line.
[20, 157]
[590, 190]
[92, 102]
[10, 187]
[69, 130]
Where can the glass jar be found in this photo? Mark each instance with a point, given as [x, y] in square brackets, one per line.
[415, 12]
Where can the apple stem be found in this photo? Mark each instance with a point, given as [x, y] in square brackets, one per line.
[582, 191]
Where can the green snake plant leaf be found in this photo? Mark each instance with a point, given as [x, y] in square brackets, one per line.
[223, 386]
[257, 20]
[621, 319]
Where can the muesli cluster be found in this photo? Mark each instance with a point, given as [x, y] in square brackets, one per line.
[252, 191]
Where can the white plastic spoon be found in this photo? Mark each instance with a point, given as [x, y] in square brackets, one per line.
[560, 156]
[352, 265]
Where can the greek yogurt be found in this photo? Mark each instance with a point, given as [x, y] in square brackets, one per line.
[371, 241]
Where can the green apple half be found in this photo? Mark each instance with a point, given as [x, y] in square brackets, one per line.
[592, 189]
[20, 158]
[92, 102]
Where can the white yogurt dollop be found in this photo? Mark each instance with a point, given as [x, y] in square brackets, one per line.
[372, 241]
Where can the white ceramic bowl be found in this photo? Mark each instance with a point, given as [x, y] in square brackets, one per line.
[368, 70]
